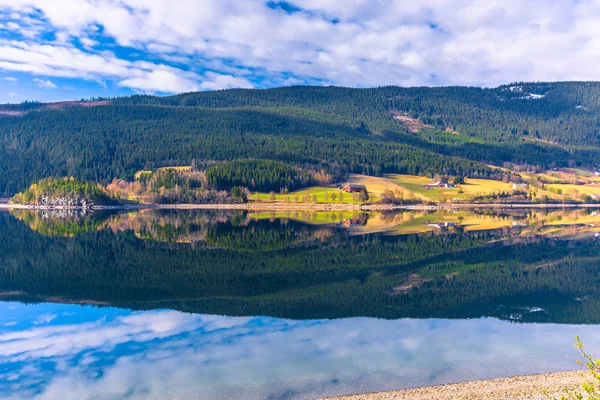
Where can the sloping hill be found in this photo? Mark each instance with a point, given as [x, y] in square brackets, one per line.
[459, 131]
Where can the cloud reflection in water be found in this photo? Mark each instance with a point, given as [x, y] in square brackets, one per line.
[72, 352]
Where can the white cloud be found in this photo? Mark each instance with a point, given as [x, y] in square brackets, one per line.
[65, 61]
[87, 42]
[349, 43]
[217, 81]
[162, 80]
[10, 79]
[45, 84]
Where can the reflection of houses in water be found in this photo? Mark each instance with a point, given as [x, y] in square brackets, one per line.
[360, 220]
[349, 222]
[440, 225]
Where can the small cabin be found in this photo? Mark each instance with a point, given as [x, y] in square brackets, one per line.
[596, 196]
[435, 185]
[519, 185]
[440, 185]
[354, 188]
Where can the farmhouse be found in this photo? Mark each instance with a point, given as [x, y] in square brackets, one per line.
[354, 188]
[596, 196]
[440, 185]
[519, 185]
[435, 185]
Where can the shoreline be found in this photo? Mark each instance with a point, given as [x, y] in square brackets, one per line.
[306, 207]
[527, 387]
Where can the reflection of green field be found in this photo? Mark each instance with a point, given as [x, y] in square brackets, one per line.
[554, 223]
[414, 225]
[310, 217]
[297, 196]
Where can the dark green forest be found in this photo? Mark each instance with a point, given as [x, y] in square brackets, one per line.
[260, 175]
[462, 131]
[294, 270]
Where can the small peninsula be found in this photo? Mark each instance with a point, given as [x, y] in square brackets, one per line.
[64, 192]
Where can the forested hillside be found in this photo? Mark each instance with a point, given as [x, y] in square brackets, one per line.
[452, 130]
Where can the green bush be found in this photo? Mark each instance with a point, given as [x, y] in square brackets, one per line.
[591, 388]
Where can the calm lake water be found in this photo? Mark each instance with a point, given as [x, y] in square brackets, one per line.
[238, 305]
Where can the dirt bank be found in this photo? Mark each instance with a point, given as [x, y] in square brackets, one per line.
[516, 388]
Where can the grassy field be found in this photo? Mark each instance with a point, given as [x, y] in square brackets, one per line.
[466, 191]
[375, 187]
[323, 195]
[574, 191]
[414, 187]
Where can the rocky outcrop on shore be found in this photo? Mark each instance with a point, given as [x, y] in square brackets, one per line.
[64, 201]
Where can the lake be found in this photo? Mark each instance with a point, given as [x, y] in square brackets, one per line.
[289, 305]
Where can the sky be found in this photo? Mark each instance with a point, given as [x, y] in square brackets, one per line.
[71, 49]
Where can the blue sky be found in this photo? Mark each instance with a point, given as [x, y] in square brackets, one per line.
[70, 49]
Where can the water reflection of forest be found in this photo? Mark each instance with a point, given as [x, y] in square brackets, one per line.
[192, 225]
[235, 263]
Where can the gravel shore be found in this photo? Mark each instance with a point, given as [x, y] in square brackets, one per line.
[515, 388]
[278, 206]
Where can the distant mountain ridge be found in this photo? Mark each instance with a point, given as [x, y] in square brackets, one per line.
[420, 130]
